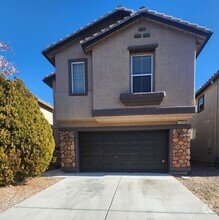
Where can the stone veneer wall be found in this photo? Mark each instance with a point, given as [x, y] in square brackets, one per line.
[181, 148]
[67, 149]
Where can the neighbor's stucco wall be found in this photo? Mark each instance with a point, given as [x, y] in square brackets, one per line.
[174, 65]
[204, 126]
[217, 126]
[47, 114]
[109, 71]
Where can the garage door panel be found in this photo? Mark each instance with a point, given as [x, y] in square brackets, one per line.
[123, 151]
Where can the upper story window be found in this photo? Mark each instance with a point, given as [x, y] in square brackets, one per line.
[201, 103]
[78, 77]
[141, 73]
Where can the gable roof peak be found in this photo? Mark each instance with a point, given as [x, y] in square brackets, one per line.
[143, 8]
[177, 23]
[126, 16]
[120, 6]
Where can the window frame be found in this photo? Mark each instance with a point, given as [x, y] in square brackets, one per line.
[200, 110]
[151, 74]
[70, 65]
[72, 77]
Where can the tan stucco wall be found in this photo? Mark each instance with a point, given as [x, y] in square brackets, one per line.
[109, 71]
[48, 115]
[204, 126]
[174, 66]
[69, 107]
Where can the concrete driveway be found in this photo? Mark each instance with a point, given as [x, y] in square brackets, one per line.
[113, 196]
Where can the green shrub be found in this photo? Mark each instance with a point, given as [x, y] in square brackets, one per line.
[26, 139]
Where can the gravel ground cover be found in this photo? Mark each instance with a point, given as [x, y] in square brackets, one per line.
[14, 194]
[204, 183]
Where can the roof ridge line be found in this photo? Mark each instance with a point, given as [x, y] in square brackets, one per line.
[88, 25]
[145, 10]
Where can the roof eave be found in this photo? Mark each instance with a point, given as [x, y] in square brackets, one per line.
[47, 56]
[51, 49]
[49, 79]
[204, 43]
[207, 84]
[45, 105]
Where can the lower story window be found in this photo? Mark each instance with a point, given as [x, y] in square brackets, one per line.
[141, 73]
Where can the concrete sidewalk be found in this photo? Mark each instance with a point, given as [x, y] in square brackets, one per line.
[108, 196]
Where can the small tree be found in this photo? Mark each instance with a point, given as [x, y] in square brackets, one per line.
[7, 68]
[26, 139]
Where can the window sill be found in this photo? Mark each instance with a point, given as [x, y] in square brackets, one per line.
[78, 94]
[139, 99]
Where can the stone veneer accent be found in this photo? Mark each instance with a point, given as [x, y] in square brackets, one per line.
[181, 148]
[67, 149]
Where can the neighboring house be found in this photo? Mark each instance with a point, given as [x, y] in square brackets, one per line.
[47, 110]
[205, 124]
[123, 92]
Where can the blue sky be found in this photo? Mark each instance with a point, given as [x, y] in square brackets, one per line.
[31, 25]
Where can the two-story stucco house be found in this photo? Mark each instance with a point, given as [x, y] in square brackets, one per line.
[205, 124]
[124, 92]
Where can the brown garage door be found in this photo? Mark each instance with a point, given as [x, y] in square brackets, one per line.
[124, 151]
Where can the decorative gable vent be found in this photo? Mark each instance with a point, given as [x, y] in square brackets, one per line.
[142, 33]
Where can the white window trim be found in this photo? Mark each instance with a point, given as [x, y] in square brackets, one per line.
[72, 90]
[147, 74]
